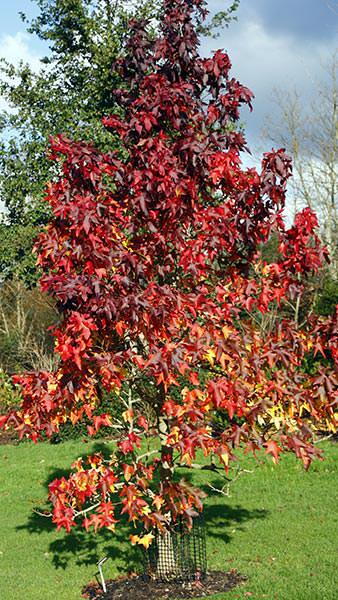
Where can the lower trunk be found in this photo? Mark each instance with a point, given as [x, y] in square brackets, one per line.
[179, 553]
[167, 567]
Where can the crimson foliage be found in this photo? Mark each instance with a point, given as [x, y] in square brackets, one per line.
[153, 256]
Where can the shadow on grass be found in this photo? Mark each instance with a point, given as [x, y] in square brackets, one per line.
[86, 548]
[80, 546]
[220, 517]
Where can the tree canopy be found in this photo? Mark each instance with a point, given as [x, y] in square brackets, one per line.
[153, 255]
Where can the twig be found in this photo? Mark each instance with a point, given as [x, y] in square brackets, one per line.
[211, 467]
[83, 512]
[41, 514]
[225, 489]
[220, 491]
[146, 454]
[323, 439]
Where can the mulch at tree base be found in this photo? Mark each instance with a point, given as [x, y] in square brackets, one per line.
[137, 588]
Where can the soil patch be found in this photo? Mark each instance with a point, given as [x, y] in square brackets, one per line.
[137, 588]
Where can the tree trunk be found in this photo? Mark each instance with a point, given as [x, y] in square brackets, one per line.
[167, 567]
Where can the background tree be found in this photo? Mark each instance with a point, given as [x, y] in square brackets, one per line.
[309, 132]
[153, 258]
[70, 94]
[25, 316]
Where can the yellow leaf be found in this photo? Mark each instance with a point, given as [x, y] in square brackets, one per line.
[210, 356]
[52, 387]
[146, 510]
[74, 418]
[226, 331]
[225, 459]
[174, 434]
[277, 421]
[134, 539]
[127, 415]
[146, 540]
[331, 426]
[158, 501]
[186, 458]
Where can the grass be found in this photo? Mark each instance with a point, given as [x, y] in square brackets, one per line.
[279, 527]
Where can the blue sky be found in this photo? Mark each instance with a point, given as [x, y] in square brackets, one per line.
[275, 43]
[11, 22]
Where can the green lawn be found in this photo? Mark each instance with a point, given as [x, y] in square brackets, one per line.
[279, 527]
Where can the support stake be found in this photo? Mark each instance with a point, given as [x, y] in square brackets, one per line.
[99, 564]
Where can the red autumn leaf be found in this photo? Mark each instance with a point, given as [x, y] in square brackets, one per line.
[142, 422]
[120, 327]
[273, 449]
[103, 420]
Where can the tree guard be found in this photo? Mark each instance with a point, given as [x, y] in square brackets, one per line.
[179, 554]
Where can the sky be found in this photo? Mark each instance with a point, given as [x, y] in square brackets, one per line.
[278, 44]
[274, 44]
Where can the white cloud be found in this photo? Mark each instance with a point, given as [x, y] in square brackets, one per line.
[15, 48]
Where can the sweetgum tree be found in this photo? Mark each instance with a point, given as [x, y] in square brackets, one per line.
[154, 258]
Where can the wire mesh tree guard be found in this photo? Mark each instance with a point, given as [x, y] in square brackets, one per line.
[179, 554]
